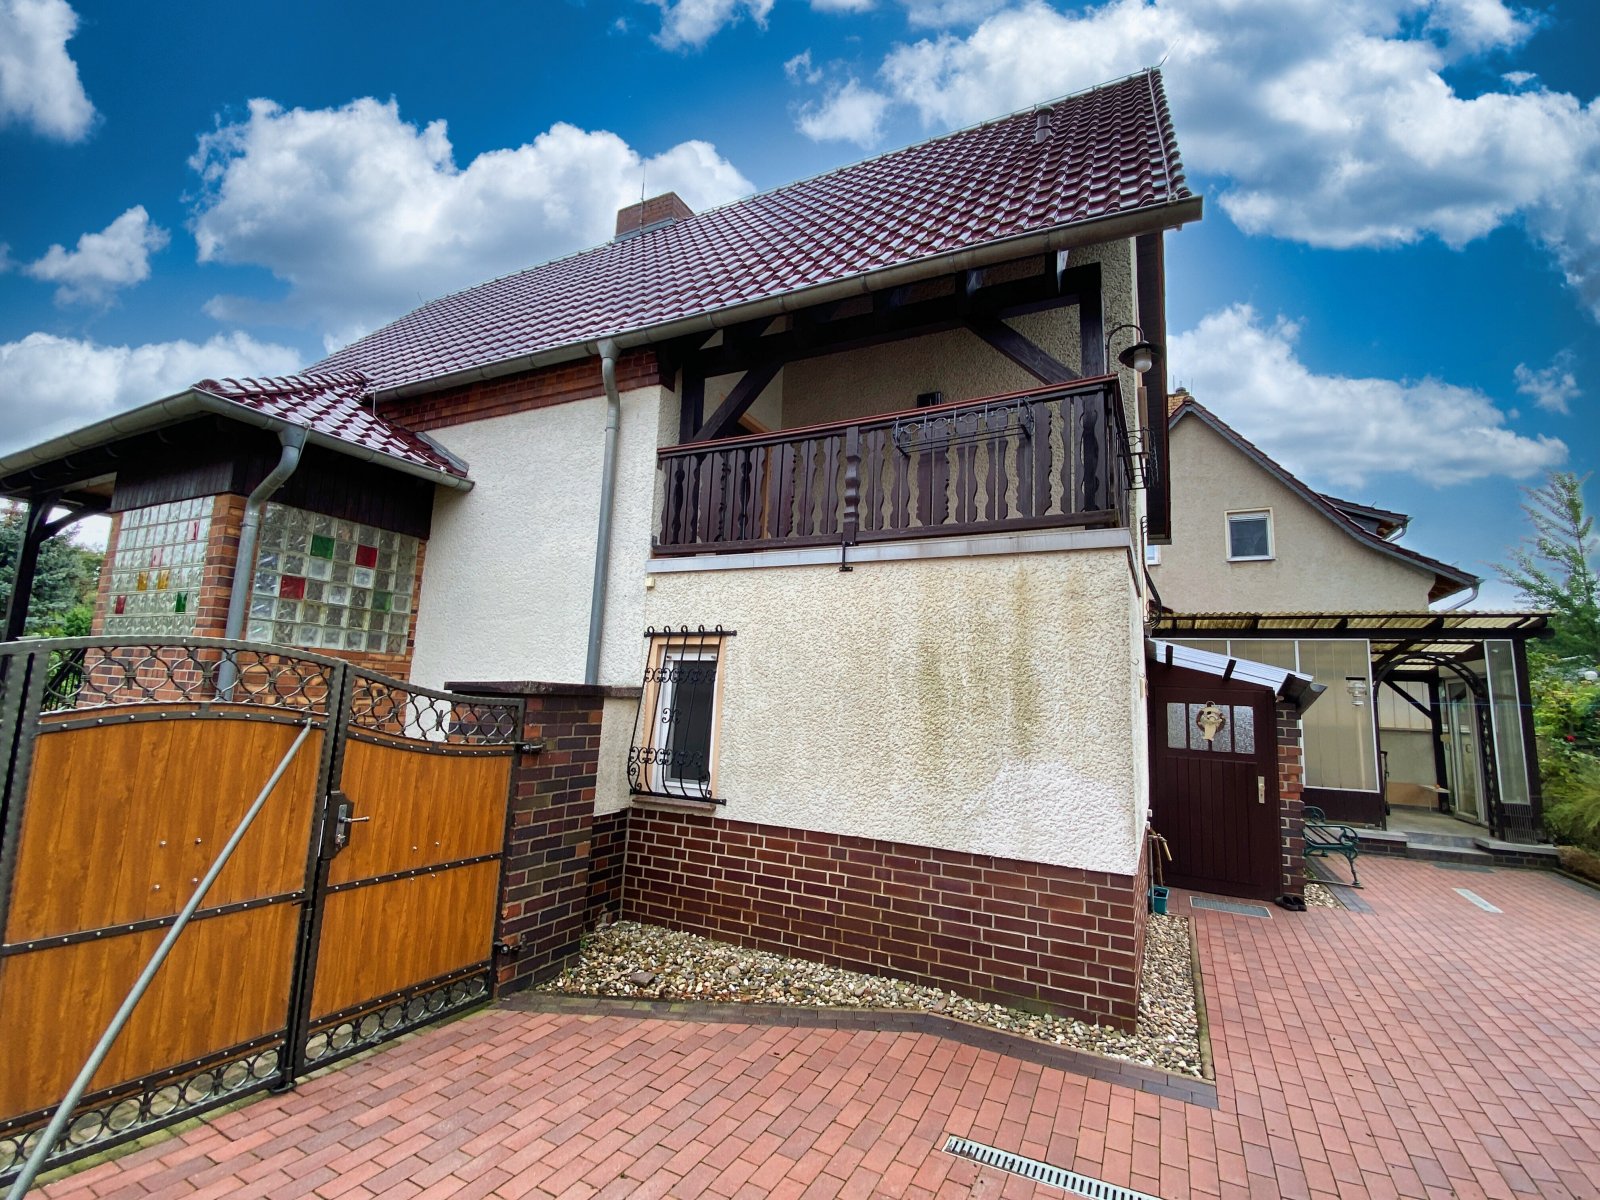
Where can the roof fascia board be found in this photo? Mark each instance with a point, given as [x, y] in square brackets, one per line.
[1169, 215]
[1440, 570]
[191, 403]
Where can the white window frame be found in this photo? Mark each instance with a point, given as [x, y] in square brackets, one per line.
[1250, 513]
[663, 699]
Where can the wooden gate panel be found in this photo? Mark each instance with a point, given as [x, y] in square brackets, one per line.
[383, 938]
[123, 819]
[427, 806]
[225, 984]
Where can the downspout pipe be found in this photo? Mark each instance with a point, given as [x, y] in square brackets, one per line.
[292, 440]
[608, 491]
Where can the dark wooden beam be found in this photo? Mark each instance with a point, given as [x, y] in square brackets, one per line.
[1150, 281]
[691, 404]
[36, 529]
[1406, 696]
[1091, 326]
[816, 332]
[739, 400]
[1023, 351]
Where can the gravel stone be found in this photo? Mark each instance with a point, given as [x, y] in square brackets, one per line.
[634, 961]
[1319, 896]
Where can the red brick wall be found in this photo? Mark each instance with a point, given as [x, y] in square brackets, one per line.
[547, 386]
[545, 897]
[991, 928]
[608, 855]
[1291, 808]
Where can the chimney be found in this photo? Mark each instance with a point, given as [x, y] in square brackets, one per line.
[654, 213]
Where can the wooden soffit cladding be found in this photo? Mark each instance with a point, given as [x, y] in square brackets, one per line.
[507, 394]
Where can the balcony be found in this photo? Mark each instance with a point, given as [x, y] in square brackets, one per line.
[1052, 458]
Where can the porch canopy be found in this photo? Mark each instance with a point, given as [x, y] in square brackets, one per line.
[1413, 659]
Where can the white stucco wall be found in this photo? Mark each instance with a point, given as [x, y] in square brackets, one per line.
[616, 735]
[506, 588]
[1317, 567]
[987, 705]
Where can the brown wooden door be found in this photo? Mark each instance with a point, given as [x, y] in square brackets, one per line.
[1215, 800]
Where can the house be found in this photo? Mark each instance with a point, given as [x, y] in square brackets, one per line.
[1426, 709]
[833, 500]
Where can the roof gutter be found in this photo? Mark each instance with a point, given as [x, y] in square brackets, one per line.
[194, 403]
[1066, 237]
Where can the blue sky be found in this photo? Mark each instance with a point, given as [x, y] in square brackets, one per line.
[1395, 289]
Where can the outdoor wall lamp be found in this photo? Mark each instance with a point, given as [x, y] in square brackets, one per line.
[1140, 356]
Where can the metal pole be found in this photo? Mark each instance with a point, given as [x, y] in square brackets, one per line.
[63, 1114]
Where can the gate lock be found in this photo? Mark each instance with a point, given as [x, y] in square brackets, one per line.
[342, 820]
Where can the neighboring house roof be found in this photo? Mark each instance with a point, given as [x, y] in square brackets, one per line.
[1106, 153]
[1447, 579]
[331, 406]
[1382, 521]
[335, 404]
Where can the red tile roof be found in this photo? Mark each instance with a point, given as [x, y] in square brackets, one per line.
[333, 403]
[1105, 152]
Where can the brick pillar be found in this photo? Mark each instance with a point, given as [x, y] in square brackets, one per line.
[546, 895]
[1291, 808]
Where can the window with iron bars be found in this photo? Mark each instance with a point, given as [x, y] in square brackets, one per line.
[674, 748]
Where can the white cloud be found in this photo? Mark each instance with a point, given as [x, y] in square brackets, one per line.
[800, 69]
[365, 215]
[51, 384]
[849, 113]
[116, 257]
[693, 23]
[1339, 430]
[843, 6]
[1331, 124]
[941, 14]
[39, 85]
[1552, 388]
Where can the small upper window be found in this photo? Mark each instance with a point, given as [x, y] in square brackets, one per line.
[1249, 536]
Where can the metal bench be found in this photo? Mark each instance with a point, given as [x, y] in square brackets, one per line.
[1324, 839]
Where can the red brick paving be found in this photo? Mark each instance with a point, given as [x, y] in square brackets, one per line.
[1427, 1049]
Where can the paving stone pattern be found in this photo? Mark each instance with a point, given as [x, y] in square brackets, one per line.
[1424, 1049]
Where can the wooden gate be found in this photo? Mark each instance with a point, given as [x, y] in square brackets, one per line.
[1215, 799]
[360, 904]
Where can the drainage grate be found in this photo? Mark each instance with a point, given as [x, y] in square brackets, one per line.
[1460, 866]
[1032, 1168]
[1476, 899]
[1228, 906]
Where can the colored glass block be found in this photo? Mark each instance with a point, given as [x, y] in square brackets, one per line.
[142, 581]
[380, 601]
[292, 587]
[366, 556]
[163, 579]
[181, 604]
[321, 546]
[119, 605]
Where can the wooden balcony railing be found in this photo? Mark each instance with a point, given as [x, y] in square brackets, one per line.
[1044, 459]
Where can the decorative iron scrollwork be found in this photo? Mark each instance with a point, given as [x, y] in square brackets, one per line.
[674, 730]
[964, 424]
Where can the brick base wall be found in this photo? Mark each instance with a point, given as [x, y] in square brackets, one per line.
[608, 852]
[991, 928]
[1291, 806]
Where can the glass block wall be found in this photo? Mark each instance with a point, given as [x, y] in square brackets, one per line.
[328, 584]
[158, 568]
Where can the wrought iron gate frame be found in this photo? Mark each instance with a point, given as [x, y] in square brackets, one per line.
[431, 721]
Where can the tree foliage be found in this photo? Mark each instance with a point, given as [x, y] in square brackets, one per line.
[1553, 569]
[61, 603]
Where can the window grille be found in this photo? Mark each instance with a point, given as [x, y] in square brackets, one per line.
[673, 752]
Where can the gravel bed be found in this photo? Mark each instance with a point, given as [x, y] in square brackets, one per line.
[1321, 896]
[635, 961]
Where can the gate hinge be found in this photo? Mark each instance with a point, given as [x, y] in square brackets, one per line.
[507, 950]
[530, 747]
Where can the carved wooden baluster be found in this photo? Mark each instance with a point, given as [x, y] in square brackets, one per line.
[999, 438]
[967, 477]
[1022, 450]
[900, 495]
[924, 456]
[1046, 418]
[1088, 447]
[785, 514]
[804, 521]
[852, 484]
[829, 499]
[940, 483]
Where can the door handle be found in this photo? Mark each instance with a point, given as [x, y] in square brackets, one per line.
[1261, 789]
[342, 820]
